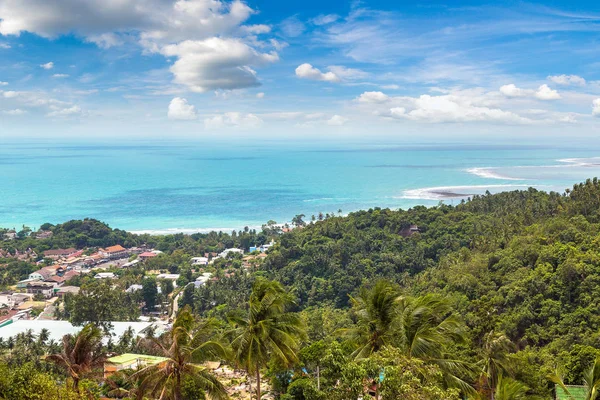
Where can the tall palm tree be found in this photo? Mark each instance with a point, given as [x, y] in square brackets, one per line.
[268, 331]
[591, 382]
[186, 346]
[426, 328]
[376, 310]
[80, 354]
[494, 361]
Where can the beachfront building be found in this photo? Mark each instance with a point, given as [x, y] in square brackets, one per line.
[130, 361]
[114, 252]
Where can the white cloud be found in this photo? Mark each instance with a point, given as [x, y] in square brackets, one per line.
[373, 97]
[512, 91]
[48, 65]
[10, 94]
[337, 120]
[233, 120]
[545, 93]
[307, 71]
[60, 76]
[106, 40]
[347, 73]
[180, 109]
[325, 19]
[292, 27]
[5, 46]
[451, 108]
[15, 112]
[256, 29]
[567, 80]
[3, 83]
[163, 21]
[216, 63]
[64, 112]
[260, 95]
[596, 108]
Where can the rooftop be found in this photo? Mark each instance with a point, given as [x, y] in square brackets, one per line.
[129, 357]
[115, 249]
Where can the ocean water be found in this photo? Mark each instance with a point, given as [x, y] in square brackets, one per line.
[189, 186]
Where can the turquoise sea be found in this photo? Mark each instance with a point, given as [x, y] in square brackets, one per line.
[167, 186]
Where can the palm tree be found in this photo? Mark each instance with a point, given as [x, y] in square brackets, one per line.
[376, 310]
[494, 360]
[80, 354]
[591, 382]
[510, 389]
[426, 328]
[184, 347]
[268, 331]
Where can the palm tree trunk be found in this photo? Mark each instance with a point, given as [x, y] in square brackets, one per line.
[178, 387]
[257, 383]
[318, 378]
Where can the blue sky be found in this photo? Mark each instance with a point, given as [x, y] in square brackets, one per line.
[209, 68]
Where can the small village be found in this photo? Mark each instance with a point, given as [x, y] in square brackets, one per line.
[33, 304]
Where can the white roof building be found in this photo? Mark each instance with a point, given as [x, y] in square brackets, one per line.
[199, 260]
[225, 252]
[58, 329]
[105, 275]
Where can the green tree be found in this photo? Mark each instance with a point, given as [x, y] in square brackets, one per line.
[268, 331]
[186, 346]
[376, 310]
[81, 354]
[149, 293]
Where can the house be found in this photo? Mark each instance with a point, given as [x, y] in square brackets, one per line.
[263, 248]
[43, 234]
[131, 263]
[58, 280]
[199, 260]
[46, 289]
[70, 274]
[105, 275]
[408, 231]
[67, 290]
[59, 253]
[147, 255]
[7, 300]
[114, 252]
[10, 235]
[134, 288]
[202, 279]
[169, 277]
[226, 252]
[42, 274]
[130, 361]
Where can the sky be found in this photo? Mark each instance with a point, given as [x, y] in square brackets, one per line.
[311, 69]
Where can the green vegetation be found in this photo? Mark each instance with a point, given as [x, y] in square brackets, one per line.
[495, 298]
